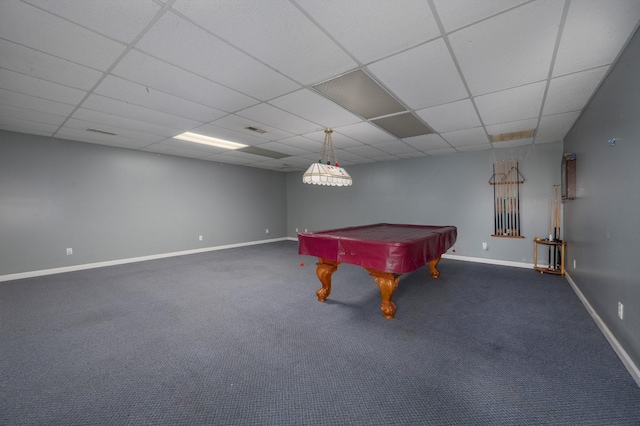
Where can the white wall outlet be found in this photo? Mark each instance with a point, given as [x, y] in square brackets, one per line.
[620, 310]
[485, 247]
[296, 230]
[199, 237]
[306, 230]
[267, 231]
[574, 264]
[69, 251]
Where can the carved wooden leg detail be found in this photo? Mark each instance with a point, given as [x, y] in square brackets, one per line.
[324, 271]
[388, 283]
[432, 267]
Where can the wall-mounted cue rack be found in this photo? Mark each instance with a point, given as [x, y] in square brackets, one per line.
[506, 181]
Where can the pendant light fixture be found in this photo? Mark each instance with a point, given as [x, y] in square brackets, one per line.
[327, 174]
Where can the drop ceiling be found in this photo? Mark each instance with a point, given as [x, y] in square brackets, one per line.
[133, 74]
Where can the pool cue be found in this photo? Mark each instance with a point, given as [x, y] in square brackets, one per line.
[557, 230]
[550, 234]
[513, 218]
[495, 212]
[498, 199]
[518, 199]
[505, 182]
[507, 213]
[503, 216]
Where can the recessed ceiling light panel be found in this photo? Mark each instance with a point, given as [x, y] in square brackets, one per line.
[360, 94]
[208, 140]
[403, 125]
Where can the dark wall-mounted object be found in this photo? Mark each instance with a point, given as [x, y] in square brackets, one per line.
[569, 176]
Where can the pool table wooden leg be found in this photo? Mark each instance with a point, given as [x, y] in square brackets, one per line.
[388, 283]
[432, 267]
[324, 271]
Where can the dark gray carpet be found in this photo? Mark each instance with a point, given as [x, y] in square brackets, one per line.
[237, 337]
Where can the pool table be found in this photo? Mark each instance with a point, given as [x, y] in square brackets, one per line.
[385, 250]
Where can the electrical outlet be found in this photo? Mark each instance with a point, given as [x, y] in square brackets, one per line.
[306, 230]
[296, 230]
[267, 231]
[574, 264]
[620, 310]
[485, 247]
[69, 251]
[200, 238]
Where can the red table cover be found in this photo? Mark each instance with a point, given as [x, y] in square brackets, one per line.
[386, 247]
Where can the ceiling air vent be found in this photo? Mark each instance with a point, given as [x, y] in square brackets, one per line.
[102, 132]
[255, 129]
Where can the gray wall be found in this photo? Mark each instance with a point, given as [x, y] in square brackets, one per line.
[440, 190]
[603, 223]
[110, 203]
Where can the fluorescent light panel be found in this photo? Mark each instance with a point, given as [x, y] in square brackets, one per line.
[208, 140]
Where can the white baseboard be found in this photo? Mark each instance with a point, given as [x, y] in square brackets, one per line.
[622, 354]
[72, 268]
[488, 261]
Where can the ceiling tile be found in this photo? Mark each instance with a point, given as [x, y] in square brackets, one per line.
[469, 148]
[339, 140]
[39, 30]
[367, 151]
[240, 124]
[16, 124]
[138, 113]
[228, 134]
[553, 128]
[443, 151]
[36, 87]
[137, 94]
[303, 143]
[513, 143]
[82, 135]
[467, 137]
[167, 149]
[594, 33]
[421, 77]
[31, 115]
[512, 126]
[121, 20]
[264, 29]
[138, 138]
[153, 73]
[511, 105]
[313, 107]
[20, 100]
[510, 49]
[365, 132]
[453, 116]
[407, 23]
[458, 13]
[41, 65]
[284, 148]
[182, 43]
[571, 92]
[426, 143]
[236, 157]
[275, 117]
[397, 148]
[104, 121]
